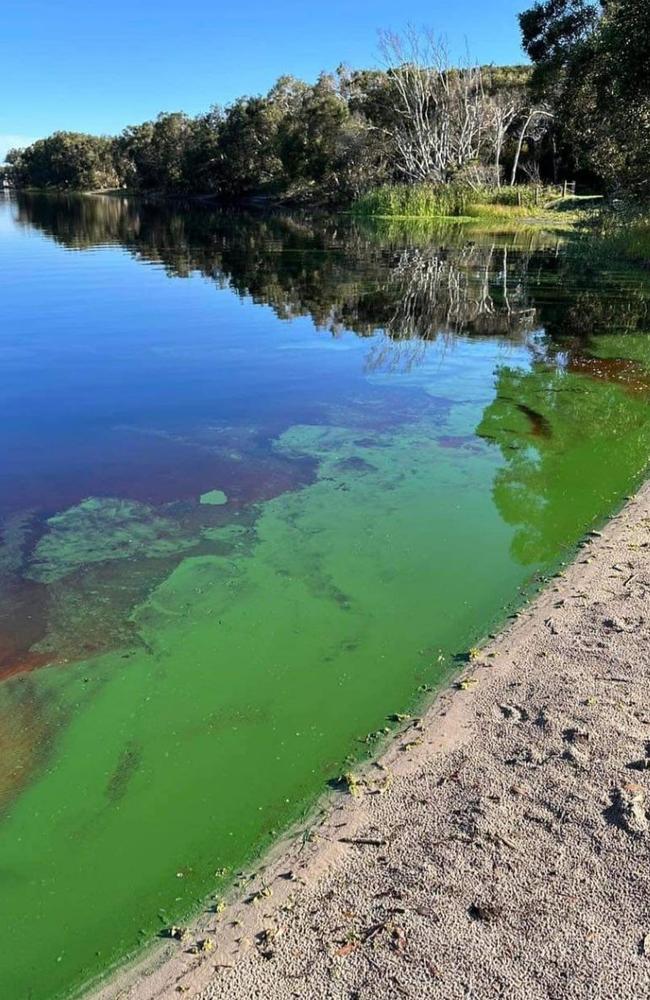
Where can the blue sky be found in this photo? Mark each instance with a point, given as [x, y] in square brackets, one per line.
[91, 67]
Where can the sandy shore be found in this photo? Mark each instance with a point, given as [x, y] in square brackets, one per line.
[499, 848]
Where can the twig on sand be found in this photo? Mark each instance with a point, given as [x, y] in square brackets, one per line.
[363, 841]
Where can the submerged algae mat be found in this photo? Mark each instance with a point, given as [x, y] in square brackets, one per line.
[257, 671]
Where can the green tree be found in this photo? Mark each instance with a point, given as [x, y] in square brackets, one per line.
[70, 161]
[202, 158]
[248, 151]
[310, 132]
[551, 30]
[153, 156]
[591, 63]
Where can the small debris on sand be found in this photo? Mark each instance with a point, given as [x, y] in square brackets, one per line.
[628, 808]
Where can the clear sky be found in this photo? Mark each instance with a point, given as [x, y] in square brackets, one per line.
[96, 67]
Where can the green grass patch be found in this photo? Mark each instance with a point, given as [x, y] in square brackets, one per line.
[622, 236]
[434, 201]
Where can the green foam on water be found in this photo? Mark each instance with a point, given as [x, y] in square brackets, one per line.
[101, 529]
[214, 498]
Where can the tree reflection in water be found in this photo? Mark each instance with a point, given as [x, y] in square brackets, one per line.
[408, 286]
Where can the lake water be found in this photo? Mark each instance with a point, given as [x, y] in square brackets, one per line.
[264, 480]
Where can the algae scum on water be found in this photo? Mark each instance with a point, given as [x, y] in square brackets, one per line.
[233, 546]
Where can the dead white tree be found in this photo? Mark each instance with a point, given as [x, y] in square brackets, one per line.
[534, 115]
[505, 108]
[440, 112]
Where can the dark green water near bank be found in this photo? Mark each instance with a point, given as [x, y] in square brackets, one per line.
[263, 478]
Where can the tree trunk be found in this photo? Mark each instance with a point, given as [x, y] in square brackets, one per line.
[522, 136]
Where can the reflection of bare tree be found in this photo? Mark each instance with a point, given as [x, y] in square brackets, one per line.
[463, 292]
[388, 355]
[418, 282]
[440, 294]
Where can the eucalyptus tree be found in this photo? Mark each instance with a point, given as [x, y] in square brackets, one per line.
[152, 156]
[311, 131]
[248, 146]
[66, 160]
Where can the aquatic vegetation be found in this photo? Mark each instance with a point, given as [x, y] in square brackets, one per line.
[629, 241]
[421, 200]
[210, 688]
[27, 725]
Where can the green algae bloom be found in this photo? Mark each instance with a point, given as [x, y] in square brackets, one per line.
[214, 498]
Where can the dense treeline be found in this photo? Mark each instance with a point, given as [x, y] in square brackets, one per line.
[583, 106]
[336, 138]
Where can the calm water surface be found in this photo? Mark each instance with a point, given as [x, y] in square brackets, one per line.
[263, 478]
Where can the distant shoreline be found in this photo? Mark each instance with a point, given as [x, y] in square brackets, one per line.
[567, 214]
[171, 197]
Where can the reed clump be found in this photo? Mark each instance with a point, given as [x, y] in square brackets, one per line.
[431, 201]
